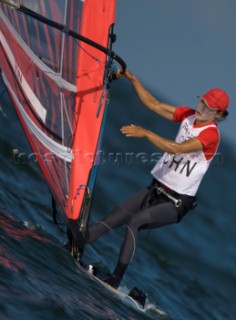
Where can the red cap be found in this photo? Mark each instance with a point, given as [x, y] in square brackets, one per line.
[217, 99]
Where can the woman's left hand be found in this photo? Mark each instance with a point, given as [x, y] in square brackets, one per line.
[133, 131]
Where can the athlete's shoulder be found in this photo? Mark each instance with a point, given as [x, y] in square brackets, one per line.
[210, 135]
[210, 139]
[182, 113]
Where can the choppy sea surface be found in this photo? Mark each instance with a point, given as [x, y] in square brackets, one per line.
[188, 270]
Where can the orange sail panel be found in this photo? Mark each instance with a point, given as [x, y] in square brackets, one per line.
[97, 16]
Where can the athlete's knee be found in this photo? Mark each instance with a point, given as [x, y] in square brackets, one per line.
[133, 225]
[96, 230]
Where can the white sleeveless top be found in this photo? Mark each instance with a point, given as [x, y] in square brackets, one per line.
[183, 172]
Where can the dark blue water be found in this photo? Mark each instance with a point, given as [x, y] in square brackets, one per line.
[187, 269]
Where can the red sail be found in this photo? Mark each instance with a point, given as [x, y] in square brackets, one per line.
[58, 86]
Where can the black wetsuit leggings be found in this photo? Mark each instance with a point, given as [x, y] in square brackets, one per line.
[145, 210]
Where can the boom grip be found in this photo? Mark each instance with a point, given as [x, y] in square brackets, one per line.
[121, 62]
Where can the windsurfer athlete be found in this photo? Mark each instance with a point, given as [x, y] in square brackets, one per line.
[175, 177]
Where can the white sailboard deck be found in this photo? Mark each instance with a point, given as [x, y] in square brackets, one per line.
[121, 292]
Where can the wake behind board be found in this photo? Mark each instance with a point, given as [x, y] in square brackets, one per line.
[124, 294]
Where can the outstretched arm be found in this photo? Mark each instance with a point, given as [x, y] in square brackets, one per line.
[191, 145]
[163, 109]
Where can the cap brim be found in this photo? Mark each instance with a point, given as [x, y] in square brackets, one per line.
[201, 97]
